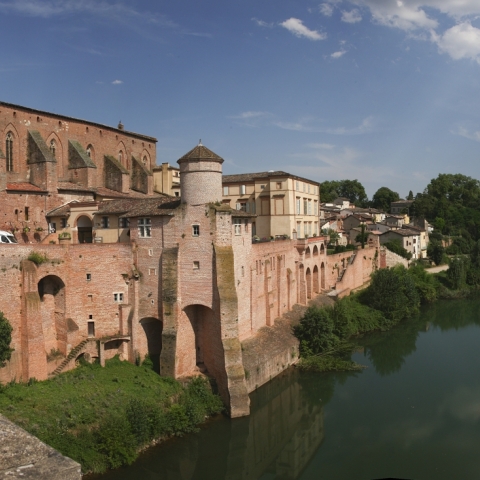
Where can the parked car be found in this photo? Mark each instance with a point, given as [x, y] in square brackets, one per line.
[7, 237]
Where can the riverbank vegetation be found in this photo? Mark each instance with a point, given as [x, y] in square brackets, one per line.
[103, 417]
[394, 295]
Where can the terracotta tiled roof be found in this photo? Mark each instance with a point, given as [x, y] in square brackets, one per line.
[250, 177]
[73, 186]
[200, 152]
[23, 187]
[104, 192]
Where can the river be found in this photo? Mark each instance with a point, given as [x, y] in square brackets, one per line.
[414, 413]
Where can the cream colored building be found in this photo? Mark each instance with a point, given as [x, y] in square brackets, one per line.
[166, 179]
[285, 205]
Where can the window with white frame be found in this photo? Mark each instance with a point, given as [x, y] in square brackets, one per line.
[242, 189]
[315, 207]
[105, 223]
[195, 230]
[118, 297]
[144, 227]
[225, 190]
[299, 206]
[309, 207]
[124, 222]
[297, 186]
[305, 206]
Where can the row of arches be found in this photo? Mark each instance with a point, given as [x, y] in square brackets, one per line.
[310, 281]
[315, 251]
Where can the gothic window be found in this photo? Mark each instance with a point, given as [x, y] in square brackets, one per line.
[9, 151]
[53, 147]
[144, 227]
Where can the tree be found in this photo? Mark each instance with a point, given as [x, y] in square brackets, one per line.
[351, 189]
[395, 246]
[383, 197]
[5, 340]
[362, 237]
[435, 252]
[410, 195]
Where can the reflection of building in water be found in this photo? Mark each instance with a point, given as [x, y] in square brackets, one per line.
[283, 432]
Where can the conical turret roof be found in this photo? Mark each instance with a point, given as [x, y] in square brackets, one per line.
[200, 152]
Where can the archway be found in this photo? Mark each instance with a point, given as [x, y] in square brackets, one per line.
[315, 251]
[307, 252]
[84, 226]
[151, 343]
[51, 290]
[322, 249]
[200, 343]
[315, 280]
[308, 279]
[322, 276]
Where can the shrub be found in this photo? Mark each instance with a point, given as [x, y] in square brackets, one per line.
[5, 340]
[37, 258]
[395, 246]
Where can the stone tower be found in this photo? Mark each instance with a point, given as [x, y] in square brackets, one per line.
[201, 176]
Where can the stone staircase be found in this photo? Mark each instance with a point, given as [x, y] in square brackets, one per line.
[73, 353]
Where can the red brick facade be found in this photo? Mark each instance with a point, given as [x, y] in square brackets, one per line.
[187, 289]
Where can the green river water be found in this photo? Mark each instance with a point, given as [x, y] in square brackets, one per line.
[414, 413]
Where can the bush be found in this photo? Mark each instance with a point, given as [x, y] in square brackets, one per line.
[5, 340]
[37, 258]
[395, 246]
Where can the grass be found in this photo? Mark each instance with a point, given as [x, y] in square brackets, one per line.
[102, 417]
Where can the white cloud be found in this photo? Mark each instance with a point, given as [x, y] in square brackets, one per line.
[326, 9]
[338, 54]
[117, 82]
[460, 41]
[261, 23]
[297, 27]
[351, 17]
[464, 132]
[306, 125]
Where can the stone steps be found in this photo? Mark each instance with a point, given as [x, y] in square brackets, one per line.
[73, 353]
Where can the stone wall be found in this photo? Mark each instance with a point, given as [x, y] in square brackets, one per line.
[23, 456]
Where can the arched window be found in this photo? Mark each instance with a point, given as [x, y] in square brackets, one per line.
[120, 156]
[53, 147]
[89, 151]
[9, 151]
[145, 160]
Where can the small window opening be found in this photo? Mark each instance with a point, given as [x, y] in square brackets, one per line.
[89, 277]
[26, 214]
[196, 265]
[196, 230]
[91, 329]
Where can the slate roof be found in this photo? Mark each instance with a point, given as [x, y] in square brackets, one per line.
[62, 211]
[250, 177]
[103, 191]
[24, 187]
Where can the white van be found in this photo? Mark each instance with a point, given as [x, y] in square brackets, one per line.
[7, 237]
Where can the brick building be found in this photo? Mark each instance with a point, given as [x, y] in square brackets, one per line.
[181, 280]
[47, 160]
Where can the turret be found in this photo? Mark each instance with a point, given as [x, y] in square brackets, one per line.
[201, 176]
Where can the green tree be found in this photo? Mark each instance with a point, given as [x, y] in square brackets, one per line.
[351, 189]
[383, 197]
[392, 291]
[410, 195]
[5, 340]
[435, 252]
[362, 237]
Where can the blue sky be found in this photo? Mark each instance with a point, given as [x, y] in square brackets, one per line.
[384, 91]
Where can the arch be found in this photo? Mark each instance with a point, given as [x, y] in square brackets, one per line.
[308, 281]
[151, 341]
[122, 155]
[51, 290]
[146, 155]
[315, 251]
[91, 151]
[12, 148]
[199, 335]
[316, 285]
[307, 252]
[322, 276]
[84, 228]
[55, 145]
[322, 249]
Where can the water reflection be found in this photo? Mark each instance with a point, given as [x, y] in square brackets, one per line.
[277, 440]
